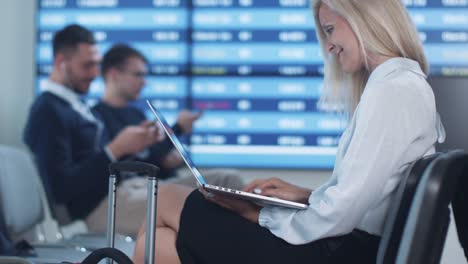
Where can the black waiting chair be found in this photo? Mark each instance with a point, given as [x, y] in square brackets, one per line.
[428, 221]
[460, 209]
[399, 210]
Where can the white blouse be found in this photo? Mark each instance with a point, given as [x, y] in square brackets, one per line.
[394, 124]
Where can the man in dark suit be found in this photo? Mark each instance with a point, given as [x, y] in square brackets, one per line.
[65, 137]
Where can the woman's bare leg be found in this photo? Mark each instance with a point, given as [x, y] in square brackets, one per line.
[171, 200]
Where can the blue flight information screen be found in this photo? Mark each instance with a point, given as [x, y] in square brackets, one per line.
[253, 67]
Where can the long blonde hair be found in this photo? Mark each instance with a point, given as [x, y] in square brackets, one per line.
[381, 27]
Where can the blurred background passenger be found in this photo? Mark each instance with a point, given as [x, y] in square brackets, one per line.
[124, 70]
[65, 138]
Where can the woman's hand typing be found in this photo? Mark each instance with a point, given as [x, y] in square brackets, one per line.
[278, 188]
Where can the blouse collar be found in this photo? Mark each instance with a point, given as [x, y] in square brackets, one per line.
[393, 64]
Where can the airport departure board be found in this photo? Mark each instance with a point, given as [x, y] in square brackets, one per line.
[253, 67]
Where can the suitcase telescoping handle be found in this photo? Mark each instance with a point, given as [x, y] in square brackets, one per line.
[139, 167]
[133, 166]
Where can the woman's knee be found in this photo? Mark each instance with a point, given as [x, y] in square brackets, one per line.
[171, 201]
[173, 194]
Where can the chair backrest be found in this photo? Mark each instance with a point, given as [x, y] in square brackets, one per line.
[399, 210]
[6, 245]
[22, 196]
[460, 209]
[19, 195]
[426, 228]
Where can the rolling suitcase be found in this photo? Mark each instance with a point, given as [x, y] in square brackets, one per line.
[151, 172]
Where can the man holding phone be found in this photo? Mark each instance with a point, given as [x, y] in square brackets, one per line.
[124, 70]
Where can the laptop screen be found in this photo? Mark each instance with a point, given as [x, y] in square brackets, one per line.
[170, 133]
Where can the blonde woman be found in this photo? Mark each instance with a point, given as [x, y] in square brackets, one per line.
[375, 67]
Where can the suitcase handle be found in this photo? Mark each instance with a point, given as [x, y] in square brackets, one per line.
[133, 166]
[152, 192]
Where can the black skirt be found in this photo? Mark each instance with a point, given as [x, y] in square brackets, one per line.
[210, 234]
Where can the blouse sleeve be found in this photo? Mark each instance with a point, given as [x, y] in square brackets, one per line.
[389, 124]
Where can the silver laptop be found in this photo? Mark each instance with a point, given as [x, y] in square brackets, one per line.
[259, 199]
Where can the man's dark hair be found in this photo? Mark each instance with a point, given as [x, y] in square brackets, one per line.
[68, 38]
[117, 56]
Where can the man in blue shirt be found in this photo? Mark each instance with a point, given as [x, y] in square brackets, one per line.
[65, 136]
[124, 70]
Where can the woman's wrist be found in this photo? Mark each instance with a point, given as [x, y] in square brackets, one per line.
[253, 213]
[305, 195]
